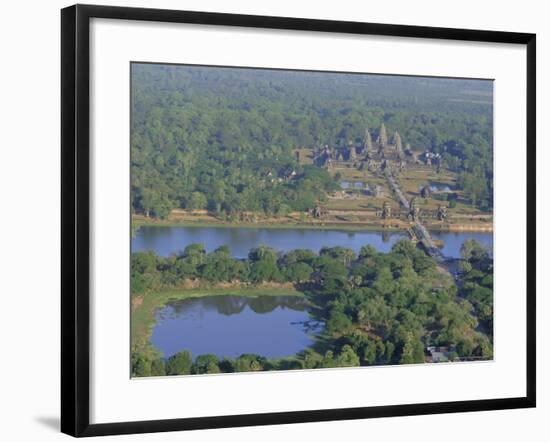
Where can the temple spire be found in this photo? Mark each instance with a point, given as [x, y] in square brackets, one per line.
[368, 141]
[383, 136]
[397, 142]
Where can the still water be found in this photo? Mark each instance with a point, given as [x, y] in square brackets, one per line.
[165, 241]
[272, 326]
[452, 241]
[227, 325]
[352, 185]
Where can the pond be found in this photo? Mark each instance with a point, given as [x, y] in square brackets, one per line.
[231, 325]
[352, 185]
[437, 187]
[165, 241]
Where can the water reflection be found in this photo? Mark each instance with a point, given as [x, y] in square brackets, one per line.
[228, 325]
[165, 241]
[233, 304]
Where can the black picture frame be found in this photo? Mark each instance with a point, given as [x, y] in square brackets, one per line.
[75, 212]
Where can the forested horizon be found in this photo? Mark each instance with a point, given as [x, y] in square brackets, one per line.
[206, 137]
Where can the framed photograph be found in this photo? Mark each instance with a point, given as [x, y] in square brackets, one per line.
[275, 220]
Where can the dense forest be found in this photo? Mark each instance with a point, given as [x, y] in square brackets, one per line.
[214, 138]
[379, 308]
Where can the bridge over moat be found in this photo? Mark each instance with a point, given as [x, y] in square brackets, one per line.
[425, 239]
[417, 231]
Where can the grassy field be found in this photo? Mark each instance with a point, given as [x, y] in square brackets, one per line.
[144, 307]
[362, 208]
[411, 181]
[352, 174]
[306, 156]
[375, 225]
[363, 203]
[460, 222]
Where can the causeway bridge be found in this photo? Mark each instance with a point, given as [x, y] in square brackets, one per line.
[425, 239]
[417, 230]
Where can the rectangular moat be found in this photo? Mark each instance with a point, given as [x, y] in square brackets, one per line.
[165, 241]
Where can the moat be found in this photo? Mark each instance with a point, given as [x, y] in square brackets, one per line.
[165, 241]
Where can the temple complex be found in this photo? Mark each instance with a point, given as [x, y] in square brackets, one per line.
[376, 156]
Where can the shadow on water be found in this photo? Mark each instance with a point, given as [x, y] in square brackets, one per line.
[317, 311]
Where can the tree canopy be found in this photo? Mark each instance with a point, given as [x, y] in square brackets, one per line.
[224, 139]
[378, 308]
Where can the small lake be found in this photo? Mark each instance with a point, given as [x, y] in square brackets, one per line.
[227, 325]
[165, 241]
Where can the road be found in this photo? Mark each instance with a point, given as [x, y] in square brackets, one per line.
[397, 190]
[419, 229]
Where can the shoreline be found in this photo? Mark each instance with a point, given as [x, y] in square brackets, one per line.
[145, 306]
[346, 227]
